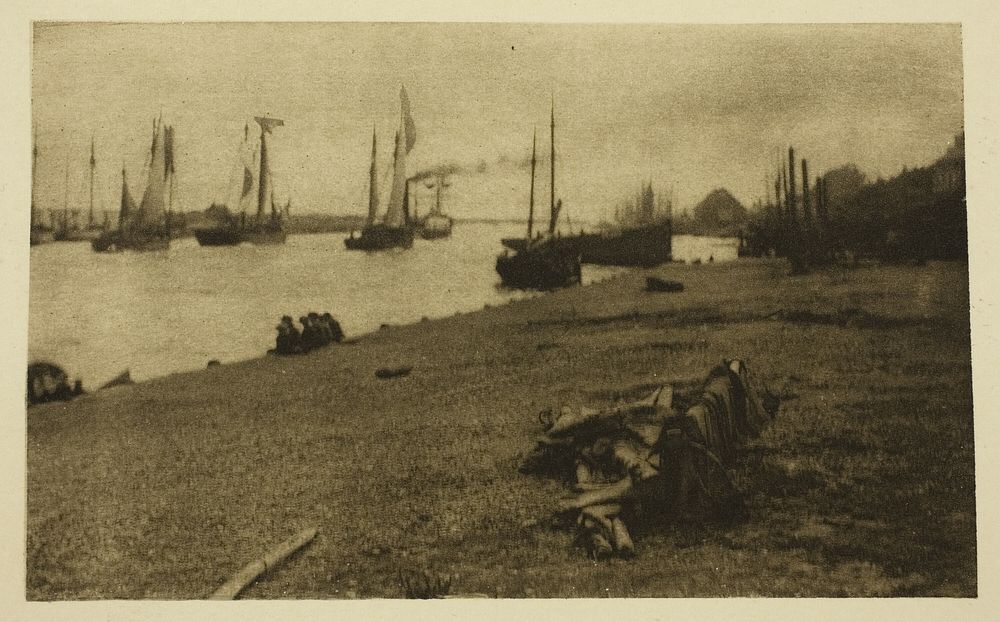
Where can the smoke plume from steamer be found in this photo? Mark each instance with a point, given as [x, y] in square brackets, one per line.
[482, 167]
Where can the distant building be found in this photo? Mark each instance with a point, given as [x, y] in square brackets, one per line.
[704, 249]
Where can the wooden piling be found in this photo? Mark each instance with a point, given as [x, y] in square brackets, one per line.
[231, 588]
[807, 215]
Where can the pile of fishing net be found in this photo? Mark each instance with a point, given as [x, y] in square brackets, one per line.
[650, 461]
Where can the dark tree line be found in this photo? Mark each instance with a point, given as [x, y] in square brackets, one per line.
[917, 215]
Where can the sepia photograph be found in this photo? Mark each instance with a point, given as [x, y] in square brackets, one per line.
[497, 310]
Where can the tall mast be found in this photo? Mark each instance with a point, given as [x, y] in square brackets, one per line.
[263, 179]
[531, 196]
[437, 204]
[372, 184]
[65, 214]
[123, 209]
[93, 165]
[168, 152]
[552, 163]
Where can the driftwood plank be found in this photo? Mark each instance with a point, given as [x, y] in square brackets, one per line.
[231, 588]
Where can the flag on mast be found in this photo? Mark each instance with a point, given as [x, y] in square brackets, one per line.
[266, 123]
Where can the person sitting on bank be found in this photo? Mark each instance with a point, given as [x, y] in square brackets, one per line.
[323, 334]
[336, 332]
[287, 341]
[308, 340]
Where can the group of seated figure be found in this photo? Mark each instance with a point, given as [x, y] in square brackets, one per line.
[317, 331]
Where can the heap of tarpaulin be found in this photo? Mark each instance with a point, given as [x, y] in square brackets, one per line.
[649, 461]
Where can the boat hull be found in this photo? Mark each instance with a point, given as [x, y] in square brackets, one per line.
[639, 246]
[217, 237]
[41, 236]
[435, 234]
[546, 267]
[435, 227]
[380, 237]
[230, 236]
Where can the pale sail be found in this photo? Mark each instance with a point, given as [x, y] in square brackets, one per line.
[127, 205]
[246, 190]
[264, 189]
[372, 186]
[405, 138]
[152, 208]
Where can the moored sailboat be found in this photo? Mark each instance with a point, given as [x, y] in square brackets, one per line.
[396, 228]
[146, 227]
[263, 228]
[69, 229]
[543, 262]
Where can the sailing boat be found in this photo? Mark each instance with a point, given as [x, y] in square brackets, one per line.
[543, 262]
[93, 228]
[396, 229]
[39, 232]
[436, 224]
[69, 229]
[263, 228]
[146, 227]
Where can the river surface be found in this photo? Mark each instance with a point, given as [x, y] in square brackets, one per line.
[97, 314]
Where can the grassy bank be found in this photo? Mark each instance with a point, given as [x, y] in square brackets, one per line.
[863, 486]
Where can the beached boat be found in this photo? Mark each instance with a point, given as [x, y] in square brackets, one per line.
[267, 226]
[396, 229]
[146, 227]
[544, 262]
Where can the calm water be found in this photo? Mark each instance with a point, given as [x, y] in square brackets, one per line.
[157, 313]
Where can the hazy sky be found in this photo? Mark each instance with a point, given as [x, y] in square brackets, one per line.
[695, 106]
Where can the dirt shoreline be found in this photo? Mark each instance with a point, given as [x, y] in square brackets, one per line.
[164, 488]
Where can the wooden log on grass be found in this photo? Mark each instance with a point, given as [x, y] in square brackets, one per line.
[392, 372]
[273, 558]
[610, 493]
[568, 422]
[656, 284]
